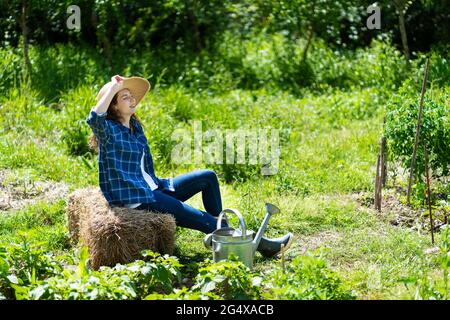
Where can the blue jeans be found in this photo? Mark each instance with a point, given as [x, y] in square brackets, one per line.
[186, 186]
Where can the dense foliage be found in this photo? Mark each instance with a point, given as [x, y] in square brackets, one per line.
[401, 124]
[194, 25]
[309, 69]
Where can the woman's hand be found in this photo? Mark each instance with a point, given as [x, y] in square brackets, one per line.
[112, 87]
[117, 81]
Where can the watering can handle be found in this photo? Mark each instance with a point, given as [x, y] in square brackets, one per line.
[238, 214]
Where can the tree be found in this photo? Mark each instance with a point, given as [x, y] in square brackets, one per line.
[20, 11]
[310, 18]
[401, 7]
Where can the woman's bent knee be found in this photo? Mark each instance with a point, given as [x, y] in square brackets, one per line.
[210, 174]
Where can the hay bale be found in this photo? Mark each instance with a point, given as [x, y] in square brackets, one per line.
[116, 235]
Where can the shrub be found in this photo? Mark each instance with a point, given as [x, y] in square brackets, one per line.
[10, 68]
[76, 105]
[262, 60]
[380, 66]
[61, 67]
[400, 131]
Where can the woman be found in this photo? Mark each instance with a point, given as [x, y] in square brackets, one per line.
[126, 173]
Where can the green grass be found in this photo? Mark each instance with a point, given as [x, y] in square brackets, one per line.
[329, 141]
[41, 222]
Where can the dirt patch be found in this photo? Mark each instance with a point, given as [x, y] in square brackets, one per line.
[302, 244]
[400, 214]
[19, 192]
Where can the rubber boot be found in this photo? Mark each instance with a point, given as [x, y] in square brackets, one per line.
[271, 247]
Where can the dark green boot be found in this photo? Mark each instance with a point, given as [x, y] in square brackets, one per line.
[271, 247]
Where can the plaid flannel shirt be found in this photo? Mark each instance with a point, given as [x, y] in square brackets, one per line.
[119, 162]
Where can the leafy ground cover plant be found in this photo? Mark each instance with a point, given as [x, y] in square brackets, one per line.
[305, 278]
[131, 281]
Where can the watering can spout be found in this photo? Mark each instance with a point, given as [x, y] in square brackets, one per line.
[270, 210]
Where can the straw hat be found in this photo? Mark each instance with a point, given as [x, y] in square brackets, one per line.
[137, 85]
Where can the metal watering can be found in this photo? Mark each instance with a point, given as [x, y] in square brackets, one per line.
[240, 242]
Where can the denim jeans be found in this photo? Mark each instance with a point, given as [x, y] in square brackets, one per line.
[186, 186]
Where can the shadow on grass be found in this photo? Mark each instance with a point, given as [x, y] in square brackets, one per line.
[189, 257]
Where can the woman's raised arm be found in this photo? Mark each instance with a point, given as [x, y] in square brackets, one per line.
[103, 103]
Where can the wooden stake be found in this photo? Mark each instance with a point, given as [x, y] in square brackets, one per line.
[383, 161]
[377, 185]
[25, 40]
[413, 160]
[379, 192]
[282, 258]
[429, 193]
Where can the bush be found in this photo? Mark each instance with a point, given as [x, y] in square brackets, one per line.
[10, 64]
[400, 131]
[380, 66]
[262, 60]
[75, 109]
[61, 67]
